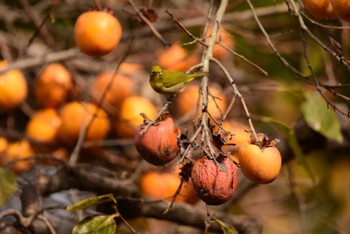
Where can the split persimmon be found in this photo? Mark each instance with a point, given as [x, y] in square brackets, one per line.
[214, 183]
[158, 145]
[97, 33]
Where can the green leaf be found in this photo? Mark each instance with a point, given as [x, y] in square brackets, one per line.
[89, 202]
[8, 184]
[102, 224]
[293, 143]
[321, 118]
[227, 229]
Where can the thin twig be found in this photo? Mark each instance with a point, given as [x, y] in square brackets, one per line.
[239, 95]
[272, 46]
[39, 24]
[245, 59]
[189, 148]
[148, 23]
[185, 29]
[40, 28]
[126, 222]
[36, 61]
[48, 223]
[339, 57]
[206, 133]
[323, 25]
[84, 129]
[162, 110]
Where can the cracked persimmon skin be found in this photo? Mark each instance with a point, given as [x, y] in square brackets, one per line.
[261, 165]
[158, 145]
[214, 184]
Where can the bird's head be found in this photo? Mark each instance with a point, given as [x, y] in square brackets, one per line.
[156, 69]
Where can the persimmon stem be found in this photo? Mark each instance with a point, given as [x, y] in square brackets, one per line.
[162, 110]
[241, 98]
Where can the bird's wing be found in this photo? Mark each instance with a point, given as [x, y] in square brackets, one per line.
[171, 78]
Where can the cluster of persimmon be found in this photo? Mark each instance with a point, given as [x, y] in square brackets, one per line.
[328, 9]
[214, 179]
[59, 117]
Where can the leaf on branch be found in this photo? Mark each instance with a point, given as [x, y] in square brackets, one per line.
[90, 202]
[102, 224]
[321, 118]
[226, 229]
[8, 184]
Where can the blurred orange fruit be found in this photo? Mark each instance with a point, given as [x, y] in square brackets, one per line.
[176, 58]
[341, 8]
[163, 185]
[3, 144]
[320, 9]
[120, 88]
[223, 38]
[16, 151]
[43, 125]
[97, 32]
[13, 88]
[186, 101]
[75, 116]
[54, 85]
[239, 134]
[129, 115]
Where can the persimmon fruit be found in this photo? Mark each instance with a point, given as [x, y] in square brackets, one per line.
[13, 88]
[342, 8]
[214, 184]
[320, 9]
[75, 116]
[164, 184]
[186, 101]
[120, 88]
[237, 135]
[177, 58]
[97, 32]
[222, 38]
[129, 115]
[3, 145]
[158, 145]
[53, 86]
[260, 164]
[43, 125]
[16, 151]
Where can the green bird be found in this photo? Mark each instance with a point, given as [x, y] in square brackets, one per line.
[170, 82]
